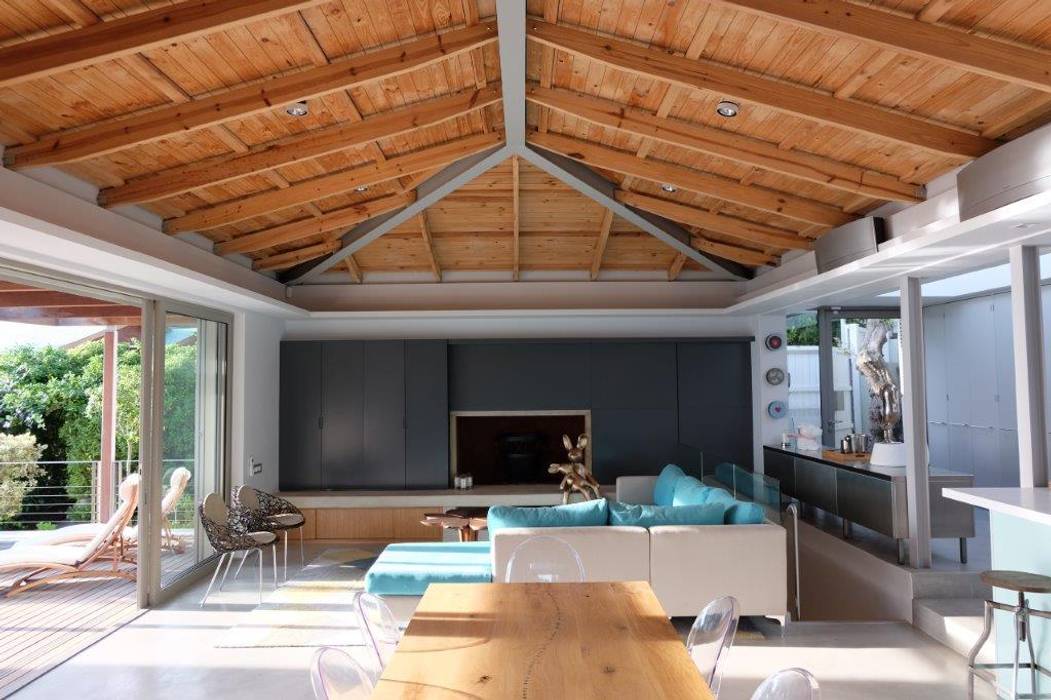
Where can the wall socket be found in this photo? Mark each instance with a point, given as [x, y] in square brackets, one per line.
[254, 466]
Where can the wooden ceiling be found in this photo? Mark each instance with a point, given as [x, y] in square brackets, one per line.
[180, 107]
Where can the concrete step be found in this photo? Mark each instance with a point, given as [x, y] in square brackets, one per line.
[954, 622]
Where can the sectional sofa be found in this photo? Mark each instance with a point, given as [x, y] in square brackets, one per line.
[648, 534]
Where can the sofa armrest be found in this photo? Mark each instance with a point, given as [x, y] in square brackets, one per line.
[636, 489]
[608, 553]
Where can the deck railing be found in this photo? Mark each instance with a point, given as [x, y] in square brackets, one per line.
[75, 500]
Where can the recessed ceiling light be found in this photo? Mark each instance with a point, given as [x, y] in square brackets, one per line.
[727, 109]
[669, 188]
[361, 188]
[297, 109]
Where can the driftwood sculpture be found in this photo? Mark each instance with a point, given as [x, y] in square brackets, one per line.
[576, 477]
[886, 403]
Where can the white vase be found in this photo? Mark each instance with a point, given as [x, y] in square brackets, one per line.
[890, 454]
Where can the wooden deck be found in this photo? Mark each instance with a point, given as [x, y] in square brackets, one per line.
[42, 628]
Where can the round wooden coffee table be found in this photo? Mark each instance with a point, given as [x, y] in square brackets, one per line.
[467, 521]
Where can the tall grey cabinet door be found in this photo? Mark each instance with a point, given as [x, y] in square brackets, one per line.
[426, 414]
[383, 459]
[300, 397]
[343, 405]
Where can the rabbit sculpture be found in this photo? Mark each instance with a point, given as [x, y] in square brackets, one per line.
[576, 477]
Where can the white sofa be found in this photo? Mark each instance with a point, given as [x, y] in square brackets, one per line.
[687, 565]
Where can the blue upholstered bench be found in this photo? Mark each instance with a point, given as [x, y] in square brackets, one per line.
[408, 568]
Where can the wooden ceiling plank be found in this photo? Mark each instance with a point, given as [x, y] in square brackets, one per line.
[515, 218]
[727, 81]
[296, 148]
[725, 144]
[137, 32]
[323, 186]
[732, 252]
[354, 270]
[741, 229]
[547, 63]
[282, 261]
[428, 242]
[762, 199]
[601, 243]
[677, 263]
[110, 136]
[306, 228]
[1001, 60]
[45, 299]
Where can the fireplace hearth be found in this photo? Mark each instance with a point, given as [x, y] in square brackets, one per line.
[513, 447]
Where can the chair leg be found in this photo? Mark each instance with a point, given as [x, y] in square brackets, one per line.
[987, 629]
[260, 552]
[229, 561]
[273, 550]
[1018, 646]
[285, 533]
[241, 565]
[212, 582]
[1032, 656]
[302, 552]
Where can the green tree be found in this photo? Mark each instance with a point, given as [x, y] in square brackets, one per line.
[18, 471]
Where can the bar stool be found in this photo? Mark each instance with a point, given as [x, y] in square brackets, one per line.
[1022, 583]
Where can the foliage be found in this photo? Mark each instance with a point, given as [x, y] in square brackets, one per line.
[18, 471]
[56, 395]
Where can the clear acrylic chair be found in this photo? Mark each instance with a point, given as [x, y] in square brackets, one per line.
[335, 675]
[544, 559]
[789, 684]
[711, 636]
[379, 627]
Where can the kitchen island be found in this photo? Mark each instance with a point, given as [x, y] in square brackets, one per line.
[874, 497]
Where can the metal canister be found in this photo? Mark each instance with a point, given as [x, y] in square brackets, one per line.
[845, 445]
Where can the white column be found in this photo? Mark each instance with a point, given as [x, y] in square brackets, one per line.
[914, 421]
[108, 452]
[1027, 327]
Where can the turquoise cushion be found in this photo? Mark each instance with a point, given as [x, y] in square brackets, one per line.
[744, 513]
[583, 514]
[408, 568]
[651, 516]
[664, 489]
[690, 492]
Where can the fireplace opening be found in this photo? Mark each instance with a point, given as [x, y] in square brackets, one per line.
[513, 448]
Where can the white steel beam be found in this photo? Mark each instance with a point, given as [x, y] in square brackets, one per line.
[914, 422]
[1026, 322]
[511, 27]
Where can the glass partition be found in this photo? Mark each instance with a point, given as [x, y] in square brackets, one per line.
[750, 486]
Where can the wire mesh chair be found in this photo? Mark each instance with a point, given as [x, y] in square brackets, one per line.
[227, 539]
[789, 684]
[335, 675]
[711, 636]
[379, 627]
[544, 559]
[262, 511]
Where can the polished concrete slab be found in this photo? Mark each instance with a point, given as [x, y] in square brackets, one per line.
[170, 653]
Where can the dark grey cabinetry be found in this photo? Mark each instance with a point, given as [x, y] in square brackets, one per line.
[343, 412]
[346, 422]
[426, 414]
[715, 400]
[383, 447]
[300, 411]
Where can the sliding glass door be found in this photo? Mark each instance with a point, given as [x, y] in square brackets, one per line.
[188, 424]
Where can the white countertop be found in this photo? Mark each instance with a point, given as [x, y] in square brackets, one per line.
[1029, 503]
[512, 495]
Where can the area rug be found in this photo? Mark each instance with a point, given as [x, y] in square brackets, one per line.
[313, 608]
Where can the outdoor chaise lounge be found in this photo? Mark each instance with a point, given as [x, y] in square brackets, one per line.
[51, 563]
[84, 532]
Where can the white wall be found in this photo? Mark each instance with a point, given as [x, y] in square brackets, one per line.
[767, 430]
[255, 399]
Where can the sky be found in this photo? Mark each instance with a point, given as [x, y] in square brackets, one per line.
[12, 334]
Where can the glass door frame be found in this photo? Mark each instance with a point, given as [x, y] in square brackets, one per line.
[154, 326]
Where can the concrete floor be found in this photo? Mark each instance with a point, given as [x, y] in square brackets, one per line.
[169, 653]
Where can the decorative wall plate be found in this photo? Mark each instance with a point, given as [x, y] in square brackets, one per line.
[775, 341]
[775, 376]
[777, 409]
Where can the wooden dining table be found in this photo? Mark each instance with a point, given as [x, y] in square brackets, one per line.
[543, 641]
